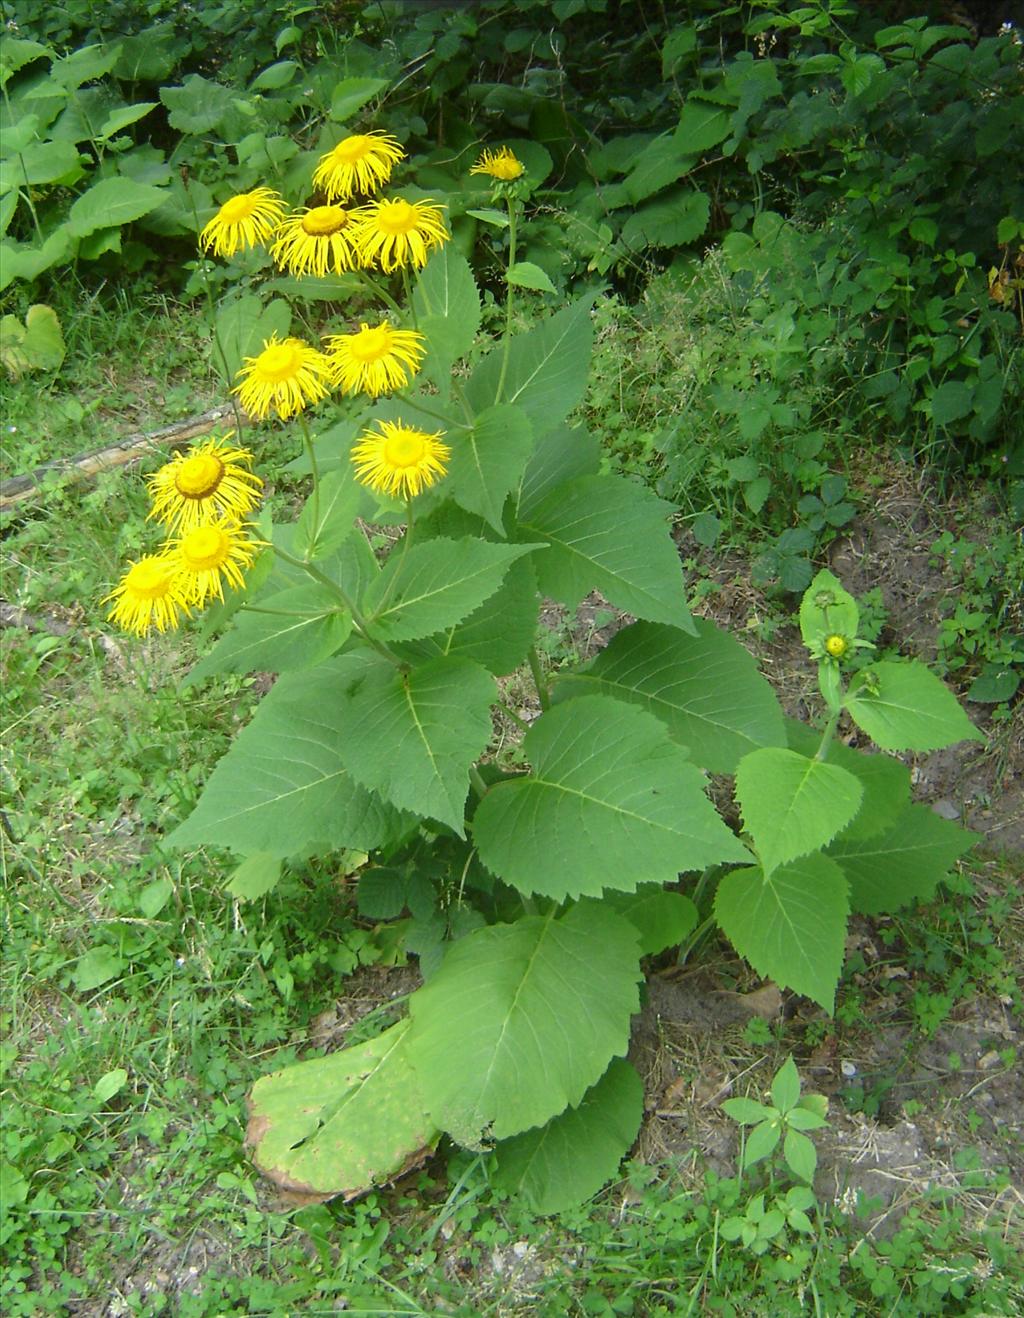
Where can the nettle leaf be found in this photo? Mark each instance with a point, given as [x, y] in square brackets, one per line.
[339, 1125]
[547, 368]
[558, 456]
[612, 803]
[498, 634]
[575, 1154]
[660, 917]
[905, 707]
[705, 688]
[435, 585]
[536, 1026]
[607, 534]
[411, 736]
[302, 626]
[282, 787]
[792, 805]
[904, 864]
[886, 782]
[827, 609]
[790, 925]
[487, 462]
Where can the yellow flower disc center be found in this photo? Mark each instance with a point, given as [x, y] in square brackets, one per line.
[369, 345]
[198, 476]
[237, 209]
[324, 220]
[836, 645]
[352, 149]
[205, 548]
[396, 216]
[405, 449]
[281, 361]
[148, 580]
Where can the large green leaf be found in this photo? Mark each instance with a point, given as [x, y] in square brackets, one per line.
[905, 707]
[329, 517]
[521, 1019]
[19, 261]
[702, 125]
[607, 534]
[569, 1159]
[338, 1125]
[904, 864]
[412, 736]
[670, 221]
[612, 802]
[487, 462]
[886, 781]
[282, 787]
[547, 368]
[790, 925]
[705, 688]
[301, 626]
[662, 918]
[243, 326]
[447, 305]
[435, 585]
[38, 163]
[112, 201]
[792, 805]
[558, 456]
[664, 161]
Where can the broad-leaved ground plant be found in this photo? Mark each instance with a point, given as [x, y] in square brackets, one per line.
[533, 881]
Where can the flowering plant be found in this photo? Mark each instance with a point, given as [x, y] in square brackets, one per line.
[540, 867]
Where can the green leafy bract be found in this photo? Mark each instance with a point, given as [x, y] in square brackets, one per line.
[577, 1152]
[792, 805]
[542, 1007]
[705, 688]
[612, 803]
[411, 736]
[826, 609]
[435, 585]
[339, 1125]
[607, 534]
[282, 787]
[904, 864]
[905, 707]
[790, 925]
[487, 462]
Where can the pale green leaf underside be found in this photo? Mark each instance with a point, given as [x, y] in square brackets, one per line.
[611, 803]
[904, 864]
[792, 805]
[282, 787]
[790, 926]
[913, 709]
[521, 1019]
[339, 1125]
[569, 1159]
[705, 688]
[412, 736]
[607, 534]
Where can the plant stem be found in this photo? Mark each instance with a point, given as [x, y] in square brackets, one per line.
[826, 737]
[543, 695]
[408, 297]
[382, 293]
[508, 298]
[479, 786]
[307, 439]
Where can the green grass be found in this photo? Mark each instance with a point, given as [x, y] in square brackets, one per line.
[140, 1002]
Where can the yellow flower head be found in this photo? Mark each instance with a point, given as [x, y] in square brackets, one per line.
[836, 645]
[398, 460]
[150, 594]
[317, 242]
[284, 376]
[210, 554]
[376, 360]
[243, 221]
[361, 163]
[395, 232]
[208, 481]
[500, 164]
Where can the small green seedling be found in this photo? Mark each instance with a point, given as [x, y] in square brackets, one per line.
[789, 1115]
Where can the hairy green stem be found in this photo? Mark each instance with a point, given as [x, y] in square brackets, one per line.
[543, 695]
[508, 298]
[826, 737]
[307, 440]
[382, 293]
[358, 620]
[476, 778]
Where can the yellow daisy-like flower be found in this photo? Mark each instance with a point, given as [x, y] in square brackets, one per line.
[361, 163]
[211, 554]
[395, 233]
[398, 460]
[207, 482]
[317, 242]
[285, 376]
[376, 360]
[836, 645]
[243, 221]
[500, 164]
[150, 594]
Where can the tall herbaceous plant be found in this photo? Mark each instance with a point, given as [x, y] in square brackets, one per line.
[541, 867]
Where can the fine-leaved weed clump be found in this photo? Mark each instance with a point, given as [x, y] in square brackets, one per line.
[534, 885]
